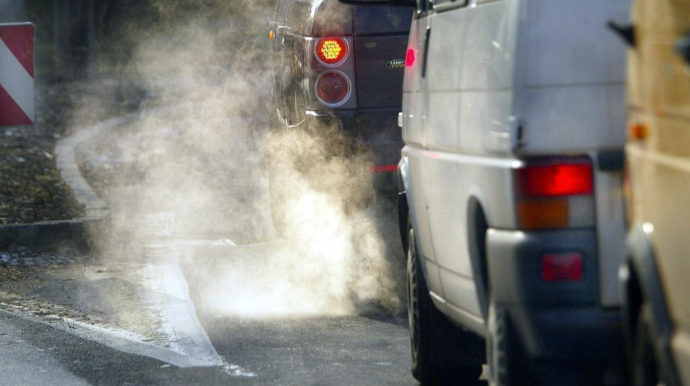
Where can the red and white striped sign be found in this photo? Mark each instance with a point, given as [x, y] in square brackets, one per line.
[17, 74]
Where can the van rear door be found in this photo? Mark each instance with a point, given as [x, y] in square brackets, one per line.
[570, 77]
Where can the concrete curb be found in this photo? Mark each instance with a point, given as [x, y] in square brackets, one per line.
[75, 231]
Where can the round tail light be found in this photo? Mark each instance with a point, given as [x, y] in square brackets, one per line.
[332, 51]
[333, 88]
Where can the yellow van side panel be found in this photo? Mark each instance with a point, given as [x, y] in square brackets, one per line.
[659, 163]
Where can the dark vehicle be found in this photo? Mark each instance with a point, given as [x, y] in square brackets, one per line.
[335, 63]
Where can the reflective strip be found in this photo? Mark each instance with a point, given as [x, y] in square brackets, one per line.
[384, 168]
[17, 81]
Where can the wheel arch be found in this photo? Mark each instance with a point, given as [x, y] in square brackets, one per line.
[403, 205]
[477, 226]
[632, 298]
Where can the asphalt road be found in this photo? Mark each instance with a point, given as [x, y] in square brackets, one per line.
[344, 350]
[77, 323]
[367, 349]
[38, 354]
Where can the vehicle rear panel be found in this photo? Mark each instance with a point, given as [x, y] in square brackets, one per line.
[377, 36]
[570, 78]
[381, 34]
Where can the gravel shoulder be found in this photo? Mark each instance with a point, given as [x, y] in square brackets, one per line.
[54, 287]
[30, 188]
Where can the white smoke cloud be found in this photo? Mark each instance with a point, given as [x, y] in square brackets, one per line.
[198, 169]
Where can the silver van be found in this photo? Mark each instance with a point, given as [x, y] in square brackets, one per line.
[511, 205]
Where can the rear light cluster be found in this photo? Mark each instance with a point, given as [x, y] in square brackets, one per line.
[554, 194]
[332, 87]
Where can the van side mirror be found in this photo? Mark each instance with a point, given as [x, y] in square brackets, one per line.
[403, 3]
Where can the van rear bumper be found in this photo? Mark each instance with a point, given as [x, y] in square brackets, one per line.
[557, 320]
[575, 335]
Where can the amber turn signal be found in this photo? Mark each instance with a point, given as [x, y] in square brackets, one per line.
[638, 131]
[542, 214]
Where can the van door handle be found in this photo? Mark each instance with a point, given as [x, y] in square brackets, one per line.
[683, 48]
[425, 54]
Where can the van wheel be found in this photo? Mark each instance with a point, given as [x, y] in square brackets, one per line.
[506, 359]
[432, 336]
[644, 366]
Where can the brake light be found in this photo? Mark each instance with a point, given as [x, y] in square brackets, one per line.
[553, 194]
[333, 88]
[409, 59]
[555, 180]
[331, 51]
[561, 267]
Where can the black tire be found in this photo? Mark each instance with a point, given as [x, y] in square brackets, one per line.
[644, 369]
[505, 356]
[432, 337]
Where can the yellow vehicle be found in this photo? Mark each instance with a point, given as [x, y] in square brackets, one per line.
[656, 275]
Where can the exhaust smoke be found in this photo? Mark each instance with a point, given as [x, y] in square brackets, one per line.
[195, 166]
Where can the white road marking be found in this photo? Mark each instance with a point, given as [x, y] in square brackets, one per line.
[120, 340]
[179, 317]
[187, 343]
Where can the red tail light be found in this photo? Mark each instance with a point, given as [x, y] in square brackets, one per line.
[409, 59]
[332, 51]
[333, 88]
[553, 194]
[555, 180]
